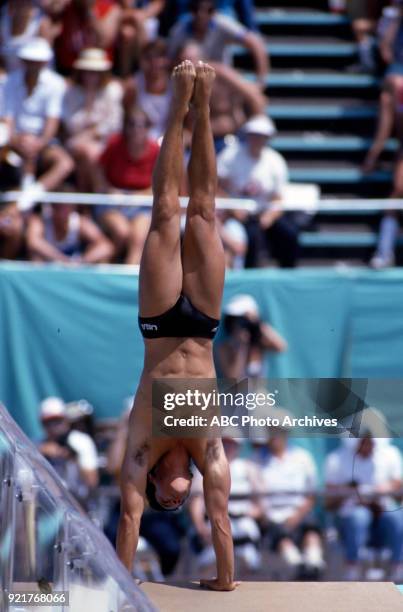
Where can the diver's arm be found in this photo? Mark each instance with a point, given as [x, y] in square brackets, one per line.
[216, 486]
[133, 480]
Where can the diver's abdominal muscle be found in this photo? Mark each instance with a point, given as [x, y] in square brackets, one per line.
[186, 359]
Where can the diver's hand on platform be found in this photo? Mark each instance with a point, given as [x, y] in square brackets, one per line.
[215, 585]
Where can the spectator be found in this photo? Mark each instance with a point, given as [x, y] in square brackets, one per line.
[389, 231]
[391, 107]
[62, 446]
[92, 112]
[243, 512]
[139, 26]
[33, 103]
[247, 339]
[364, 15]
[243, 10]
[390, 116]
[150, 89]
[127, 165]
[213, 32]
[52, 24]
[164, 531]
[62, 235]
[362, 476]
[234, 238]
[233, 99]
[288, 474]
[254, 170]
[20, 21]
[86, 23]
[81, 417]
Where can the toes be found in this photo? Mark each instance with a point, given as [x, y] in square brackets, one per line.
[185, 67]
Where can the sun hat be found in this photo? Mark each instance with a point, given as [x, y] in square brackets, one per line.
[52, 407]
[93, 59]
[36, 50]
[259, 124]
[240, 305]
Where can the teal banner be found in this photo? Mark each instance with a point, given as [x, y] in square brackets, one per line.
[72, 332]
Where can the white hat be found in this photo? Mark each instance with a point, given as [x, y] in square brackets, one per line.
[52, 407]
[259, 124]
[240, 305]
[36, 50]
[93, 59]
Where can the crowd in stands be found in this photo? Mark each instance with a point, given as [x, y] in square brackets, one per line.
[84, 99]
[291, 518]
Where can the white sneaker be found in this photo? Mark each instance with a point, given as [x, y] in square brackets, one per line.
[379, 262]
[312, 557]
[291, 555]
[250, 555]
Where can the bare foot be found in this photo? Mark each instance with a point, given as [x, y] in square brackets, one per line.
[183, 78]
[205, 76]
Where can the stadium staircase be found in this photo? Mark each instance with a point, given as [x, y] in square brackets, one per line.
[325, 115]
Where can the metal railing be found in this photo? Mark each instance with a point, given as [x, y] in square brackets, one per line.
[47, 543]
[297, 197]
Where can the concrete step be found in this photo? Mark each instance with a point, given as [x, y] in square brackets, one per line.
[317, 84]
[324, 143]
[339, 239]
[337, 175]
[298, 52]
[300, 110]
[299, 17]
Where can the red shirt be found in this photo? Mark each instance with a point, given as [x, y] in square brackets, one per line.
[122, 171]
[76, 33]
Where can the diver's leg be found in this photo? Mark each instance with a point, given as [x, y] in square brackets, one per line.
[161, 267]
[203, 254]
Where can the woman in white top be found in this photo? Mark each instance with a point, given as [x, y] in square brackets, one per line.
[150, 88]
[92, 111]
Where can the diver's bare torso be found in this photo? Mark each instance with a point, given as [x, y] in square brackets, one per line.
[180, 358]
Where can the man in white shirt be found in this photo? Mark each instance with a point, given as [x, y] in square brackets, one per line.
[32, 110]
[252, 169]
[361, 477]
[288, 474]
[213, 32]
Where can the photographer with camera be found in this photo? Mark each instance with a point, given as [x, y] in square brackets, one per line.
[248, 338]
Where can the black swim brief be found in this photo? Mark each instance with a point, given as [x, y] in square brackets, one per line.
[183, 320]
